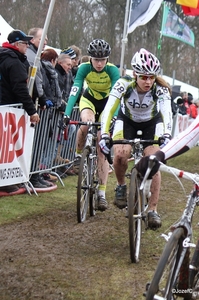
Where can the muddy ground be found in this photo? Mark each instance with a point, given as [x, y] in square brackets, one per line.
[50, 256]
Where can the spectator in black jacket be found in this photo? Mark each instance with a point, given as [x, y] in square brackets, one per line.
[14, 73]
[13, 79]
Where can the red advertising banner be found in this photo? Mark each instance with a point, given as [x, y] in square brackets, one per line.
[16, 140]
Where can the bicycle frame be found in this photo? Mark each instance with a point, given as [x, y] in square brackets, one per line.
[138, 201]
[87, 178]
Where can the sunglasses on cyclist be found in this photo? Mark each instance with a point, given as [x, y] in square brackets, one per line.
[146, 77]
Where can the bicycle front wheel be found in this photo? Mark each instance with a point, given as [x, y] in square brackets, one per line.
[134, 216]
[94, 185]
[164, 282]
[194, 272]
[83, 186]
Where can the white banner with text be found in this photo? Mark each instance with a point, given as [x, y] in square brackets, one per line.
[16, 140]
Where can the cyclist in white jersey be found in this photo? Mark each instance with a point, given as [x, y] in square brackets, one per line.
[145, 105]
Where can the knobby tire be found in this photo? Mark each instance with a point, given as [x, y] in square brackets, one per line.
[134, 216]
[167, 271]
[94, 186]
[83, 187]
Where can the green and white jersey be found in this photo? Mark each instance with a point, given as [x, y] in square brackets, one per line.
[99, 84]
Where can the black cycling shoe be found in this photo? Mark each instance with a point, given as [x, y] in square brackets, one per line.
[154, 220]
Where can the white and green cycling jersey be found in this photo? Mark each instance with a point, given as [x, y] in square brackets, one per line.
[138, 107]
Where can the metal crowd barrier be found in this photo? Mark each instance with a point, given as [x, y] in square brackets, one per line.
[53, 146]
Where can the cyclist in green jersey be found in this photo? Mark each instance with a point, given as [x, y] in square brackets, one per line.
[100, 76]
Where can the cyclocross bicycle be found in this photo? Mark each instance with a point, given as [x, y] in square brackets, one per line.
[137, 200]
[88, 182]
[175, 277]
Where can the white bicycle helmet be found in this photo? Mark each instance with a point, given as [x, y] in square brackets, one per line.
[144, 62]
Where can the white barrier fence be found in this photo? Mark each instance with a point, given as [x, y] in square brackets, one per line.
[180, 123]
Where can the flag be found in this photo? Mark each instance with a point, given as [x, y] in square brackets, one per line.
[174, 27]
[189, 7]
[189, 3]
[141, 12]
[189, 11]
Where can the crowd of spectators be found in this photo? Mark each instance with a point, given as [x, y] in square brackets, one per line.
[184, 104]
[53, 81]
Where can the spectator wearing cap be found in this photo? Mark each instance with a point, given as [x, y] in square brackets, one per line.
[14, 73]
[180, 105]
[14, 76]
[78, 53]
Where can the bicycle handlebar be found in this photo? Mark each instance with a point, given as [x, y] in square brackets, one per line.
[146, 183]
[88, 123]
[134, 141]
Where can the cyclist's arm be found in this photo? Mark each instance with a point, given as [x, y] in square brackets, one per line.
[165, 108]
[184, 141]
[76, 88]
[114, 73]
[112, 105]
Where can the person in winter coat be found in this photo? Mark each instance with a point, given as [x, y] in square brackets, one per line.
[38, 92]
[50, 77]
[13, 79]
[14, 73]
[192, 110]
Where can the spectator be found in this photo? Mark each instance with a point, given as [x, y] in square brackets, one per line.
[100, 76]
[14, 76]
[69, 78]
[196, 102]
[145, 105]
[184, 96]
[193, 112]
[77, 59]
[84, 58]
[38, 91]
[63, 67]
[53, 92]
[180, 105]
[50, 77]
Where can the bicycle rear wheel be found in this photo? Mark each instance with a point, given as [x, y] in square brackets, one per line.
[83, 186]
[134, 216]
[164, 282]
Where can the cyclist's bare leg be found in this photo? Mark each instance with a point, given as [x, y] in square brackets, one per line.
[120, 161]
[155, 186]
[103, 165]
[86, 115]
